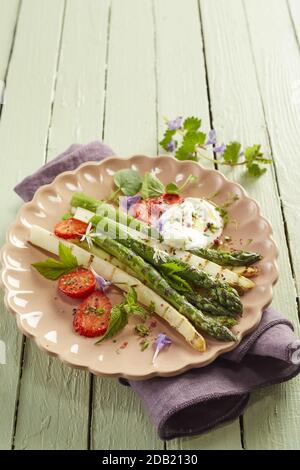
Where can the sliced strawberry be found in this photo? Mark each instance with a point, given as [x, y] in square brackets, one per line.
[78, 283]
[172, 199]
[92, 316]
[70, 228]
[149, 210]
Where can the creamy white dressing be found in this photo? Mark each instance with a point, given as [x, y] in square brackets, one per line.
[195, 223]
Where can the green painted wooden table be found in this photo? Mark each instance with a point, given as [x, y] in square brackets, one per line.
[78, 70]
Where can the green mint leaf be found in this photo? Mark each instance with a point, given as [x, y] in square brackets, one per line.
[192, 123]
[131, 296]
[255, 170]
[172, 188]
[131, 306]
[179, 284]
[118, 320]
[188, 149]
[51, 268]
[171, 268]
[166, 139]
[142, 330]
[66, 256]
[128, 181]
[151, 186]
[67, 216]
[232, 152]
[151, 308]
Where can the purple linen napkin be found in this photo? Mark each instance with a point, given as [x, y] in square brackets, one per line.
[203, 398]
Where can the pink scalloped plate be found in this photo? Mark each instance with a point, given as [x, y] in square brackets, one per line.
[45, 316]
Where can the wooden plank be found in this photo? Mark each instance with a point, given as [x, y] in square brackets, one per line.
[130, 127]
[131, 114]
[9, 373]
[79, 97]
[278, 68]
[271, 422]
[61, 399]
[182, 91]
[9, 12]
[22, 140]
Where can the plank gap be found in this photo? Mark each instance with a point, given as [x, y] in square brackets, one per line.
[206, 75]
[22, 361]
[241, 421]
[293, 24]
[90, 415]
[11, 50]
[55, 78]
[106, 68]
[269, 140]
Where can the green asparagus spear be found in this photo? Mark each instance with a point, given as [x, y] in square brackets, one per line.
[148, 274]
[229, 322]
[208, 306]
[227, 258]
[219, 291]
[108, 210]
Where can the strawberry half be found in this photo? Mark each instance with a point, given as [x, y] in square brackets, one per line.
[92, 316]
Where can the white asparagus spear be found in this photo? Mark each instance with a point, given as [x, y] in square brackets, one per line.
[48, 241]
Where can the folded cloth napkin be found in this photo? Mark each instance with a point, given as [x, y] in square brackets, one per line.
[200, 399]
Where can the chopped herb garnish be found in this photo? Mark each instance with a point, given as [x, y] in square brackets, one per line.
[142, 330]
[144, 344]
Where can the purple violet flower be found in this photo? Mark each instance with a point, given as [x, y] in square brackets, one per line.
[103, 284]
[175, 124]
[220, 149]
[161, 341]
[126, 202]
[171, 145]
[212, 138]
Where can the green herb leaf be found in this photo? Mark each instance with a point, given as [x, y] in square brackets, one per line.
[130, 296]
[66, 256]
[192, 123]
[179, 284]
[67, 216]
[224, 214]
[151, 308]
[232, 152]
[253, 157]
[52, 269]
[188, 149]
[142, 330]
[144, 344]
[166, 139]
[172, 188]
[255, 170]
[128, 181]
[171, 268]
[151, 186]
[118, 319]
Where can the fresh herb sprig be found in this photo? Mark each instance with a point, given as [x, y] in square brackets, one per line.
[52, 268]
[129, 183]
[185, 139]
[120, 314]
